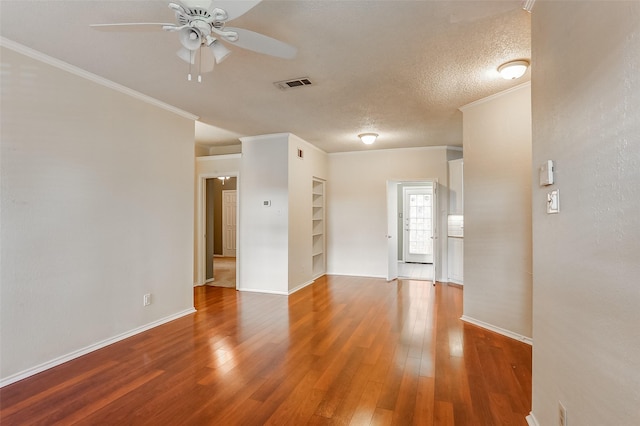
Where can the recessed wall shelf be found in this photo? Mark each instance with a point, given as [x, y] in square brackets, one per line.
[318, 228]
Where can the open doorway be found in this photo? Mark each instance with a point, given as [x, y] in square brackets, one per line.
[412, 222]
[220, 236]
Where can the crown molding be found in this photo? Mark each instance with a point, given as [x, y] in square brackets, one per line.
[65, 66]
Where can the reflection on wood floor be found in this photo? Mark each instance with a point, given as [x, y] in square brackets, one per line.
[224, 272]
[416, 271]
[344, 350]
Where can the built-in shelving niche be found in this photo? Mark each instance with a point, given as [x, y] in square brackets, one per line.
[318, 228]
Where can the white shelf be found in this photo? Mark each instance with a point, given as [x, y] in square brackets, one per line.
[318, 260]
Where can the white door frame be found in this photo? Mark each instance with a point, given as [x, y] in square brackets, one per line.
[392, 226]
[392, 230]
[201, 271]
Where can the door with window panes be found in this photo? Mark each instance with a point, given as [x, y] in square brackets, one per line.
[418, 224]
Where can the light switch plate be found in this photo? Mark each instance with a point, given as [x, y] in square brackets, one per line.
[553, 201]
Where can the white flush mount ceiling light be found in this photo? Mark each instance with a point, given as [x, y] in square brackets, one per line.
[514, 69]
[368, 138]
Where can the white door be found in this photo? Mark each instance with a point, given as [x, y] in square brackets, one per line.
[392, 230]
[418, 224]
[229, 205]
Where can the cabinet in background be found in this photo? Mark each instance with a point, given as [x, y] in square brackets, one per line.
[455, 222]
[456, 196]
[456, 260]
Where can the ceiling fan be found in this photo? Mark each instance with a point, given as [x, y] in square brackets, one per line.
[202, 23]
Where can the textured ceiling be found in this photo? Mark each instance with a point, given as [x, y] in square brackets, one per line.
[398, 68]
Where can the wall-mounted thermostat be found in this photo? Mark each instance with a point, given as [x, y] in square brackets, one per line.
[546, 173]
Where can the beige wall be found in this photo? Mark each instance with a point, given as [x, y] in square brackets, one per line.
[264, 230]
[97, 210]
[497, 211]
[201, 151]
[357, 205]
[586, 305]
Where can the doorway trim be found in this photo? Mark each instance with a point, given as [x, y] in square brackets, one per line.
[392, 225]
[201, 265]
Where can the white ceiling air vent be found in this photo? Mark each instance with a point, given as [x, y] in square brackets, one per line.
[290, 84]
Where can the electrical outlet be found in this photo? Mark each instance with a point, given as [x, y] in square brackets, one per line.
[147, 299]
[562, 412]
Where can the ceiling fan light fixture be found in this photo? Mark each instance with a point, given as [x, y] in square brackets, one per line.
[186, 55]
[368, 138]
[219, 50]
[190, 38]
[513, 69]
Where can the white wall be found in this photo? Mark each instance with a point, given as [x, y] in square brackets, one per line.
[275, 242]
[497, 211]
[301, 174]
[264, 231]
[357, 204]
[586, 304]
[97, 210]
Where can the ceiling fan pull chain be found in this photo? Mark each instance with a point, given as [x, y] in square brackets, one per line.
[200, 64]
[190, 61]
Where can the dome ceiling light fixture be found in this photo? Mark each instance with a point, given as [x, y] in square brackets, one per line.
[368, 138]
[513, 69]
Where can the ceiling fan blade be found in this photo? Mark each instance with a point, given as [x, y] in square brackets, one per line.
[234, 9]
[131, 27]
[262, 44]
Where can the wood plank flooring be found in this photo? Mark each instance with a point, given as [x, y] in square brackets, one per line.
[415, 271]
[224, 272]
[344, 350]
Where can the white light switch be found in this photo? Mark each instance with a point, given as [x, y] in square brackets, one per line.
[553, 201]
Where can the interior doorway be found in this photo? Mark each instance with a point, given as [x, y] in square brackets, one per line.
[220, 231]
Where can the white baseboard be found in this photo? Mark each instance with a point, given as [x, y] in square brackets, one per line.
[99, 345]
[451, 280]
[356, 275]
[260, 290]
[531, 420]
[283, 293]
[301, 286]
[498, 330]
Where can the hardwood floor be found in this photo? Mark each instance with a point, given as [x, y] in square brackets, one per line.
[344, 350]
[415, 271]
[224, 272]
